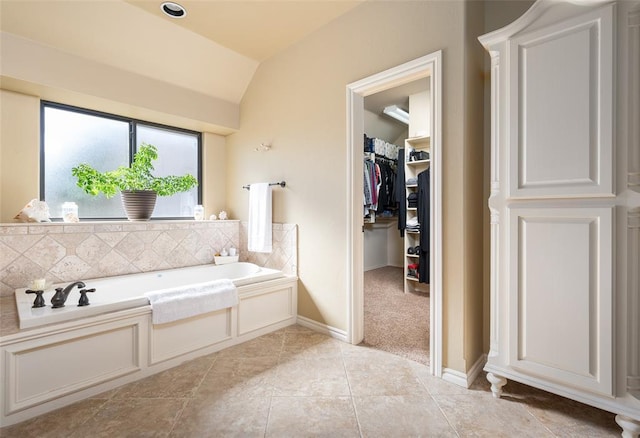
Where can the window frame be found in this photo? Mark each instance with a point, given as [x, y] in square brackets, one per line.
[133, 123]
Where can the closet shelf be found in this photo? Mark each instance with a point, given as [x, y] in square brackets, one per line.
[412, 209]
[412, 278]
[413, 255]
[419, 141]
[412, 186]
[418, 162]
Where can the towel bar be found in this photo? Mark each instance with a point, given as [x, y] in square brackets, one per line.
[281, 184]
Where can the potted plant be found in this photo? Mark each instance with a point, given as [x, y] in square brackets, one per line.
[138, 185]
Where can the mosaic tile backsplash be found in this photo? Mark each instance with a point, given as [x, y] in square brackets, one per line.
[68, 252]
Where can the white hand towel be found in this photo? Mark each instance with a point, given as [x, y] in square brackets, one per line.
[259, 234]
[176, 303]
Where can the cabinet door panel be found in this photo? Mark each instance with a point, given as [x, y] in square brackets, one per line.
[562, 134]
[561, 314]
[48, 367]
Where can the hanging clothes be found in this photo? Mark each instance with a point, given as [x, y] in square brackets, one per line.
[379, 175]
[400, 190]
[370, 182]
[424, 218]
[386, 193]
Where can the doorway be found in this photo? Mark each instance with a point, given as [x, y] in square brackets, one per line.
[427, 67]
[396, 303]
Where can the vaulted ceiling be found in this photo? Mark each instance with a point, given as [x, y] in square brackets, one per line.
[214, 50]
[256, 29]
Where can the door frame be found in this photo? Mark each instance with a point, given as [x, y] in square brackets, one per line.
[426, 66]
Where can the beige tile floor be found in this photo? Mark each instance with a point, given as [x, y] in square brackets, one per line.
[298, 383]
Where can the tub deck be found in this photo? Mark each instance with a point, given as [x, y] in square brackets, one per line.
[127, 291]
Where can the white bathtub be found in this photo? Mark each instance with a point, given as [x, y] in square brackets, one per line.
[127, 291]
[113, 340]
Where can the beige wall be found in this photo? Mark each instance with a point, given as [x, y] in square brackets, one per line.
[19, 152]
[473, 186]
[297, 100]
[214, 176]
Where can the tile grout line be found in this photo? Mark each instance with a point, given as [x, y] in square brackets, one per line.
[96, 411]
[445, 416]
[266, 424]
[440, 409]
[353, 402]
[540, 422]
[187, 400]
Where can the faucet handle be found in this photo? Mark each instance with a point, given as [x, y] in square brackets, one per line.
[84, 299]
[39, 301]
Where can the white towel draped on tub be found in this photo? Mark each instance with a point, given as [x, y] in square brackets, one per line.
[169, 305]
[259, 234]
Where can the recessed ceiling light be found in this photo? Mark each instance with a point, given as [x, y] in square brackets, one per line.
[173, 10]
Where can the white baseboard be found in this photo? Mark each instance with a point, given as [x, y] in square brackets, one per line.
[322, 328]
[455, 377]
[476, 369]
[465, 379]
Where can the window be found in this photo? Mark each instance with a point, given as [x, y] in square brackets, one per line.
[71, 136]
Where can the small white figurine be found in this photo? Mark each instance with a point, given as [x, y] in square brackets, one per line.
[34, 211]
[222, 215]
[212, 217]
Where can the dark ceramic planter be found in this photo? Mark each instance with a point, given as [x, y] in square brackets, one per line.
[139, 204]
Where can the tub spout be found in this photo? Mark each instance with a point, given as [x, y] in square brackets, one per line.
[61, 294]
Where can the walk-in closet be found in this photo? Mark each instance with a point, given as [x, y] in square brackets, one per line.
[396, 154]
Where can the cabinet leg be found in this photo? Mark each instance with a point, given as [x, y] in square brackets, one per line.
[630, 427]
[497, 382]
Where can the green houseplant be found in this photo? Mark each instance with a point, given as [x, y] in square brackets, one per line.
[138, 185]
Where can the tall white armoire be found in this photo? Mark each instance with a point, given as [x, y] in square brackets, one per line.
[565, 203]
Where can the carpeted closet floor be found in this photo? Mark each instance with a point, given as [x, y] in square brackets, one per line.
[394, 321]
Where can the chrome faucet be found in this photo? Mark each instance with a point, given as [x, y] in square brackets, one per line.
[61, 294]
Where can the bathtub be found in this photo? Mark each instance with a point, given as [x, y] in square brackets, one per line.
[72, 353]
[127, 291]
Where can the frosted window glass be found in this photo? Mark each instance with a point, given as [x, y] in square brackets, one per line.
[74, 136]
[177, 155]
[71, 138]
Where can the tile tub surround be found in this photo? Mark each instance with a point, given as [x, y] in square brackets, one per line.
[63, 252]
[252, 390]
[284, 255]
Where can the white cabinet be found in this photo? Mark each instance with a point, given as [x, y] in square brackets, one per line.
[565, 204]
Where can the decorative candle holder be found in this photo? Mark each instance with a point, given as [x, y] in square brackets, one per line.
[39, 284]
